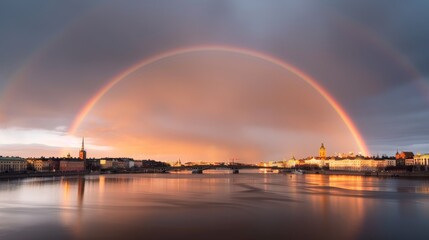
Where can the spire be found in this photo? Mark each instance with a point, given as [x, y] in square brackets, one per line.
[82, 152]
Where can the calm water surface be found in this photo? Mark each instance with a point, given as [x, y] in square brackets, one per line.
[214, 206]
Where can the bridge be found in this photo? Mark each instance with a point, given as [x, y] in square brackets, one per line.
[199, 169]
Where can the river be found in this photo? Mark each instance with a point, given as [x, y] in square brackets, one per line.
[214, 206]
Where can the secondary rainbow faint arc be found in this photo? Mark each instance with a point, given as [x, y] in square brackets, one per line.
[281, 63]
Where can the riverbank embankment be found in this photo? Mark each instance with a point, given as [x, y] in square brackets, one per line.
[395, 174]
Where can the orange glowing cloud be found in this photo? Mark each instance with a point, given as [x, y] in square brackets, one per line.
[215, 102]
[210, 49]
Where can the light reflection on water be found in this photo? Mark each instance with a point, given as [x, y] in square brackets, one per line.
[214, 206]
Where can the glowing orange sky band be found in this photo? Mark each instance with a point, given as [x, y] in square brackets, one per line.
[115, 80]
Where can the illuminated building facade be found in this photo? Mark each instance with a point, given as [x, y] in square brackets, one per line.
[40, 165]
[361, 164]
[291, 163]
[314, 162]
[421, 159]
[12, 164]
[118, 163]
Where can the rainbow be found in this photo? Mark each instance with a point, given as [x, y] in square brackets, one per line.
[286, 66]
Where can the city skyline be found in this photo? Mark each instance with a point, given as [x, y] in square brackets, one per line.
[322, 154]
[266, 81]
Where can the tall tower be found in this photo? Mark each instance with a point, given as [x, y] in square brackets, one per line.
[82, 152]
[322, 152]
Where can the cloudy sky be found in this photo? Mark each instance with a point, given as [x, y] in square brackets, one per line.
[213, 105]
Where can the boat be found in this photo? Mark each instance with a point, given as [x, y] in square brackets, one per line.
[235, 171]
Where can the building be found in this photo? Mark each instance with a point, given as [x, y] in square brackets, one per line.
[82, 152]
[41, 165]
[291, 163]
[319, 162]
[106, 163]
[44, 164]
[12, 164]
[138, 163]
[390, 162]
[346, 155]
[322, 152]
[71, 165]
[276, 164]
[92, 164]
[421, 159]
[404, 155]
[404, 158]
[360, 164]
[120, 163]
[131, 163]
[117, 163]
